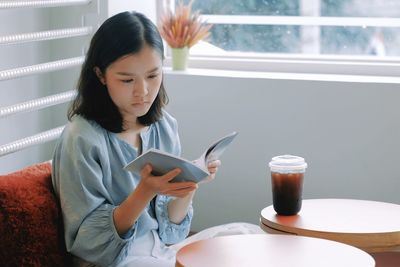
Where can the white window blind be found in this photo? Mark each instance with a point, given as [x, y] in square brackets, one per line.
[37, 40]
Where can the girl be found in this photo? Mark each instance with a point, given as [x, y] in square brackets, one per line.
[111, 216]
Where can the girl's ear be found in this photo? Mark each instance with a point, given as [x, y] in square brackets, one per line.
[99, 75]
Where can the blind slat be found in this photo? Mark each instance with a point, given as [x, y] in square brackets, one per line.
[44, 35]
[37, 139]
[41, 3]
[37, 104]
[40, 68]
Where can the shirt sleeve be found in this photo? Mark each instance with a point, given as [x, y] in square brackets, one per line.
[88, 215]
[169, 232]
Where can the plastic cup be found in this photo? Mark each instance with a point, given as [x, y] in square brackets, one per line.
[287, 175]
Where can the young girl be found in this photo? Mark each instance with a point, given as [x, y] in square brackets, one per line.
[113, 217]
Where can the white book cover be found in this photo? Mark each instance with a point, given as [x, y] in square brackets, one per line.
[163, 162]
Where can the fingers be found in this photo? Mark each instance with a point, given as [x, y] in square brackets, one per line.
[146, 171]
[176, 187]
[163, 185]
[171, 175]
[181, 192]
[181, 186]
[213, 166]
[212, 170]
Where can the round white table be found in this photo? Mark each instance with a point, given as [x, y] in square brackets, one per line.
[369, 225]
[270, 250]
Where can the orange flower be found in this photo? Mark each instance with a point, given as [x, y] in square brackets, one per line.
[183, 28]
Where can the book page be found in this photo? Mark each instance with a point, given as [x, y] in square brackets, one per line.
[215, 150]
[163, 162]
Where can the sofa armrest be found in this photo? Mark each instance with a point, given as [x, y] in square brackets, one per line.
[31, 229]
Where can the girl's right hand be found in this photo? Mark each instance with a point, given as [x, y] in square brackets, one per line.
[162, 184]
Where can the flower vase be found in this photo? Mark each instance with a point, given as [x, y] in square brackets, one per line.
[180, 58]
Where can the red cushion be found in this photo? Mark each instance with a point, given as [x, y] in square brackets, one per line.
[31, 231]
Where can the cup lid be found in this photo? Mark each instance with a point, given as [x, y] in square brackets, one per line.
[288, 162]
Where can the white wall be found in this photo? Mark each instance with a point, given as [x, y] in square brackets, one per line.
[347, 132]
[147, 7]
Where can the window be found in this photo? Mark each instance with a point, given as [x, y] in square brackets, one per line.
[351, 31]
[331, 27]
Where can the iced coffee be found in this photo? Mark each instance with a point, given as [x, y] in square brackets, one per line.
[287, 175]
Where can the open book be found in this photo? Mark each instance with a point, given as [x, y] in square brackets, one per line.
[163, 162]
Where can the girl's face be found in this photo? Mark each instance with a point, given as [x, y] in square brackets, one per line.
[133, 82]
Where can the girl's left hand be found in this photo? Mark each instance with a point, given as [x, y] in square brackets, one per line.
[212, 169]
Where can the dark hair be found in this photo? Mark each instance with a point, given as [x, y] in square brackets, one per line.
[122, 34]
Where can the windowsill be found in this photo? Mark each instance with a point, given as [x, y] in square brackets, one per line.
[281, 63]
[283, 75]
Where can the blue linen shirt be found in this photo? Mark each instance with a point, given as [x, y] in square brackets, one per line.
[89, 179]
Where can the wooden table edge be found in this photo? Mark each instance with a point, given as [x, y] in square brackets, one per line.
[353, 239]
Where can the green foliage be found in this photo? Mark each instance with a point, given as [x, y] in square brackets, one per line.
[333, 8]
[248, 7]
[255, 38]
[287, 39]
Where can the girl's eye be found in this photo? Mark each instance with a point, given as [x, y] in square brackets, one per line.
[152, 76]
[127, 81]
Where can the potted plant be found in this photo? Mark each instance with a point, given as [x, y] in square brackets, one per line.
[181, 30]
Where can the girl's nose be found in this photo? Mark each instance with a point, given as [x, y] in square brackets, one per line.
[140, 88]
